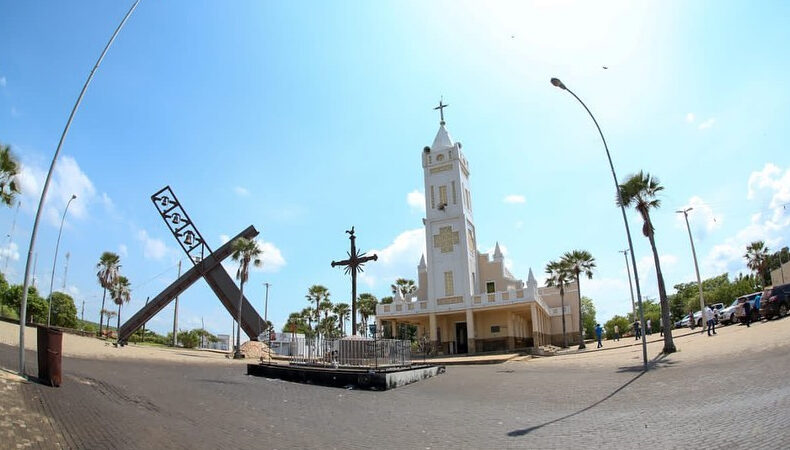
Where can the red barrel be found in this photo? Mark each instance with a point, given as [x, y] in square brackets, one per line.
[50, 352]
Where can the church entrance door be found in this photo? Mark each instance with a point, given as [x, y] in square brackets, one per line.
[460, 337]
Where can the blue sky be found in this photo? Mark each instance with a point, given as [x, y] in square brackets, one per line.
[306, 118]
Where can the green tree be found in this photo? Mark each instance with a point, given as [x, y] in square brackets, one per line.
[774, 262]
[36, 305]
[326, 307]
[109, 266]
[623, 323]
[121, 293]
[558, 275]
[9, 169]
[640, 191]
[386, 300]
[245, 252]
[405, 286]
[317, 294]
[296, 323]
[189, 339]
[64, 312]
[757, 260]
[580, 262]
[366, 306]
[342, 310]
[588, 313]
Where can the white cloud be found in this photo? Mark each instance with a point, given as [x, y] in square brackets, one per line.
[702, 219]
[707, 124]
[690, 117]
[2, 81]
[123, 250]
[397, 260]
[223, 239]
[514, 198]
[416, 200]
[770, 186]
[68, 179]
[272, 258]
[152, 248]
[11, 251]
[241, 191]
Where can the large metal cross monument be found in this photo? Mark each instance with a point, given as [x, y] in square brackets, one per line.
[353, 265]
[206, 265]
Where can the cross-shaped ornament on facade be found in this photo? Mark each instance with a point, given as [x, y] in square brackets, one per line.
[445, 239]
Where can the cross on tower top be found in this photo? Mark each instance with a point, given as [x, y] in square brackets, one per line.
[441, 110]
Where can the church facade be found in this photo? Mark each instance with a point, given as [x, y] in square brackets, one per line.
[467, 301]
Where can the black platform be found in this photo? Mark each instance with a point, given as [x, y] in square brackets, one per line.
[371, 379]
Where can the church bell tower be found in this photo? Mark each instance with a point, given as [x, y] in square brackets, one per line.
[449, 225]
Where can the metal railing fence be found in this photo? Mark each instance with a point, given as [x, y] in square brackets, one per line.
[350, 352]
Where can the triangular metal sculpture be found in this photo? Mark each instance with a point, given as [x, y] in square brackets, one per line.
[206, 265]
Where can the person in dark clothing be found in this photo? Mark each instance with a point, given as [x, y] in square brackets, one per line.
[637, 330]
[747, 310]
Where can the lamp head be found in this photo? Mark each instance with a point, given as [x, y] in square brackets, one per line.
[73, 196]
[556, 82]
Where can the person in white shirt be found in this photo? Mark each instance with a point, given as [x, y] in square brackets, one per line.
[710, 319]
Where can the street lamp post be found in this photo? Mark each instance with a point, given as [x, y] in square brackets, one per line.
[630, 285]
[685, 213]
[26, 282]
[556, 82]
[55, 261]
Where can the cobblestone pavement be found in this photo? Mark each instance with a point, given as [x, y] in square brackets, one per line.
[740, 401]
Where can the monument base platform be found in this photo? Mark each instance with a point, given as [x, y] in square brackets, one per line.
[371, 379]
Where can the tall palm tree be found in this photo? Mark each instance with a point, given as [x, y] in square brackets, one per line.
[366, 306]
[245, 252]
[307, 315]
[640, 191]
[317, 294]
[558, 275]
[578, 262]
[405, 286]
[342, 310]
[326, 308]
[9, 169]
[109, 265]
[121, 293]
[756, 259]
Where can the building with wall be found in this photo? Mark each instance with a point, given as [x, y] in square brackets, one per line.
[467, 301]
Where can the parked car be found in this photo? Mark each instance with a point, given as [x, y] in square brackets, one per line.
[684, 322]
[727, 315]
[775, 301]
[739, 312]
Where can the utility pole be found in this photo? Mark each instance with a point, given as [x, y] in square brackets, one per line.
[35, 263]
[66, 271]
[143, 327]
[266, 304]
[175, 312]
[11, 237]
[203, 334]
[630, 286]
[82, 314]
[685, 213]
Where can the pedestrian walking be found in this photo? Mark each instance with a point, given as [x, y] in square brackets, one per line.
[710, 319]
[756, 307]
[649, 327]
[661, 326]
[692, 323]
[616, 333]
[598, 333]
[747, 311]
[637, 330]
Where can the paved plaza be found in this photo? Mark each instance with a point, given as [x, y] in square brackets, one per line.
[731, 390]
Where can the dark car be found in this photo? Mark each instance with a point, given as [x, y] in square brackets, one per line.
[775, 301]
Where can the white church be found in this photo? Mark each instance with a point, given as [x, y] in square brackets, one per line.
[468, 301]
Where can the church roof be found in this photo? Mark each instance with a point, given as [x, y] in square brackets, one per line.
[531, 277]
[422, 265]
[497, 253]
[442, 139]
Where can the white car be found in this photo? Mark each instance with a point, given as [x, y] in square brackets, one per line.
[727, 315]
